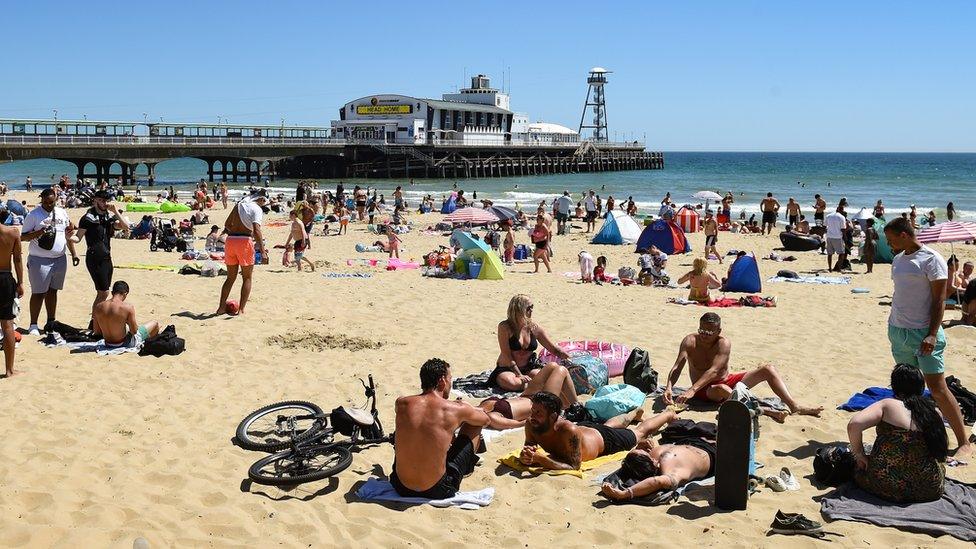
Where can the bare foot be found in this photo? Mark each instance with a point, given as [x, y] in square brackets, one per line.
[13, 373]
[804, 411]
[222, 310]
[778, 416]
[965, 452]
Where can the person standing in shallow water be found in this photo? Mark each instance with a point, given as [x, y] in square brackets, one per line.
[950, 211]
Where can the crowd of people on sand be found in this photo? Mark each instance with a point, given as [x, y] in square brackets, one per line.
[438, 439]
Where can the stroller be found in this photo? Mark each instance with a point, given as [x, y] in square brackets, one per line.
[165, 236]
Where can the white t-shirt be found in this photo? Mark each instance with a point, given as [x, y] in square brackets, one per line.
[913, 275]
[590, 203]
[835, 225]
[563, 204]
[35, 220]
[250, 213]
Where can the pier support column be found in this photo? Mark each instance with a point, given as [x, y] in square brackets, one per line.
[151, 172]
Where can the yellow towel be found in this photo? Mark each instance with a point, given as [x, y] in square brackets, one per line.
[147, 267]
[511, 460]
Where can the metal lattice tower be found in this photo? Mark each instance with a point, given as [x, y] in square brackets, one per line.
[596, 81]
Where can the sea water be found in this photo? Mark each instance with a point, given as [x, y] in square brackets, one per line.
[928, 180]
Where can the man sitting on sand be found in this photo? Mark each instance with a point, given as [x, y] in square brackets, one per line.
[568, 444]
[115, 320]
[707, 354]
[430, 460]
[650, 468]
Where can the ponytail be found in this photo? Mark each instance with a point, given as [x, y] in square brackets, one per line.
[929, 423]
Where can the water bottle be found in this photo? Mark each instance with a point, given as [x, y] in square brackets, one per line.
[257, 257]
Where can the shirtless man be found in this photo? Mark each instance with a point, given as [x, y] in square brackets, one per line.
[11, 288]
[707, 354]
[650, 467]
[770, 209]
[569, 444]
[711, 236]
[803, 226]
[243, 223]
[819, 207]
[793, 212]
[115, 320]
[430, 460]
[299, 236]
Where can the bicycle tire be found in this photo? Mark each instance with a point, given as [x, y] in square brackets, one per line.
[284, 471]
[253, 441]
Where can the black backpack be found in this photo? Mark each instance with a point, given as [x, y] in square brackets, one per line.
[164, 343]
[965, 398]
[834, 465]
[638, 371]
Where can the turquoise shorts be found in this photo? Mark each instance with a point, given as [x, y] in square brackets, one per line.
[904, 348]
[143, 333]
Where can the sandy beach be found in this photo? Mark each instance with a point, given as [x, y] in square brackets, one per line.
[102, 450]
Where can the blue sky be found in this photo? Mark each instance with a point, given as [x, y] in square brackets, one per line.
[756, 76]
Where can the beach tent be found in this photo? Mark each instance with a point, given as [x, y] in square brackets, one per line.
[688, 219]
[666, 235]
[491, 265]
[449, 205]
[882, 252]
[618, 228]
[16, 208]
[744, 276]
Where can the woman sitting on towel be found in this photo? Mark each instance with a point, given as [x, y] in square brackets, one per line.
[518, 339]
[511, 413]
[700, 280]
[907, 463]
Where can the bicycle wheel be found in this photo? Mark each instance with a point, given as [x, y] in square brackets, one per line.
[261, 429]
[306, 465]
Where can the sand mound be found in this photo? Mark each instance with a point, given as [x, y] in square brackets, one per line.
[312, 341]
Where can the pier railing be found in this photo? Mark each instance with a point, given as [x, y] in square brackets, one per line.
[147, 140]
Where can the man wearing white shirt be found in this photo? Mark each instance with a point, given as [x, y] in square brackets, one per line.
[243, 228]
[589, 203]
[44, 227]
[563, 206]
[915, 331]
[836, 223]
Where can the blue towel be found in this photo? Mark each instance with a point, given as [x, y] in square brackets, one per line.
[375, 489]
[870, 395]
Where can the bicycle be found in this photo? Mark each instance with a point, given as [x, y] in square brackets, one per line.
[306, 447]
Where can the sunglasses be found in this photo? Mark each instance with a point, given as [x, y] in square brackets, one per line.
[707, 332]
[529, 308]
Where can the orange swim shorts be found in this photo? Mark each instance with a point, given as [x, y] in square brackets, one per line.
[239, 250]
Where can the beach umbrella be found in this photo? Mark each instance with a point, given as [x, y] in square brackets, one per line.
[503, 213]
[471, 216]
[707, 196]
[948, 232]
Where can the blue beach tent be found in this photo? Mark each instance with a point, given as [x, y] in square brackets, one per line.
[449, 205]
[666, 235]
[744, 276]
[618, 228]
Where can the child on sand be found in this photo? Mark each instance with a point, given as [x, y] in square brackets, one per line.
[343, 213]
[394, 242]
[299, 236]
[509, 244]
[599, 272]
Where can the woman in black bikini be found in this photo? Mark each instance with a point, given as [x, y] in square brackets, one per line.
[518, 339]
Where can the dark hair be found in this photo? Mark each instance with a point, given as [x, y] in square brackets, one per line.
[769, 195]
[47, 192]
[431, 372]
[638, 467]
[907, 383]
[899, 225]
[120, 287]
[548, 401]
[870, 222]
[711, 318]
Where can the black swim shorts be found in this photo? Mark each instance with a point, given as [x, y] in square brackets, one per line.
[769, 217]
[461, 459]
[711, 240]
[8, 292]
[614, 439]
[100, 268]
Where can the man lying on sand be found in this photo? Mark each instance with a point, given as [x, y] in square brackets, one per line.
[569, 444]
[650, 467]
[707, 354]
[115, 320]
[429, 460]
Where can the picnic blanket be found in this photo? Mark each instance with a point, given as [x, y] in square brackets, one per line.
[376, 489]
[347, 275]
[813, 279]
[954, 514]
[869, 396]
[726, 302]
[476, 386]
[512, 460]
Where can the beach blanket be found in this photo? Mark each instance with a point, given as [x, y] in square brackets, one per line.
[476, 386]
[512, 461]
[748, 301]
[954, 514]
[376, 489]
[813, 279]
[869, 396]
[347, 275]
[54, 339]
[658, 498]
[148, 267]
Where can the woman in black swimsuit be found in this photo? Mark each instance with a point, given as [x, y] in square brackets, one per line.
[518, 339]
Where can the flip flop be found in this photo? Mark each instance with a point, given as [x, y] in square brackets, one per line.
[789, 480]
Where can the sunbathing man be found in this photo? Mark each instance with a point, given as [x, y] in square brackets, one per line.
[430, 460]
[115, 320]
[650, 467]
[511, 413]
[568, 445]
[707, 354]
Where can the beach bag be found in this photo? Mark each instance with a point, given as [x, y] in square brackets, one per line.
[588, 372]
[834, 465]
[787, 274]
[965, 398]
[46, 240]
[627, 272]
[521, 252]
[638, 372]
[163, 343]
[612, 400]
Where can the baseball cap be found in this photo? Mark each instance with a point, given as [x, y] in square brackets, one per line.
[103, 194]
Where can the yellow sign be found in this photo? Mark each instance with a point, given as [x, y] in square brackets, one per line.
[384, 109]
